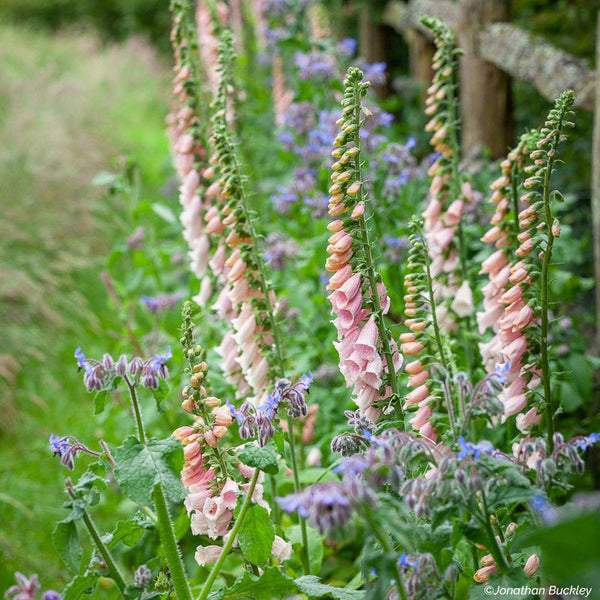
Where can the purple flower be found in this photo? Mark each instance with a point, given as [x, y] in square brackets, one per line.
[81, 362]
[26, 588]
[474, 450]
[324, 505]
[270, 407]
[315, 65]
[159, 362]
[502, 370]
[585, 442]
[347, 46]
[59, 445]
[283, 199]
[407, 562]
[51, 595]
[374, 72]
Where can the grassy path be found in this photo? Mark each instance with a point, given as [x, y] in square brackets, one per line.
[67, 108]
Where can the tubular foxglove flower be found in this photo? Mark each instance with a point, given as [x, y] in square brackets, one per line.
[369, 357]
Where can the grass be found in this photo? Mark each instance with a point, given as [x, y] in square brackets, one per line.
[68, 106]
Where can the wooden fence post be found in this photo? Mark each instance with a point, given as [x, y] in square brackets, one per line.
[485, 90]
[596, 186]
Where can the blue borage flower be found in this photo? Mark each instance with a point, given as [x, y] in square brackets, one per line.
[324, 505]
[68, 448]
[502, 370]
[407, 562]
[160, 360]
[473, 450]
[259, 421]
[583, 443]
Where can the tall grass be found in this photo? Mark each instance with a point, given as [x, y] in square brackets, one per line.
[68, 106]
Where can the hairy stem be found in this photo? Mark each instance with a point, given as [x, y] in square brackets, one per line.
[110, 563]
[164, 526]
[206, 588]
[136, 411]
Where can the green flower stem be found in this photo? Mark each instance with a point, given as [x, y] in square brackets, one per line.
[544, 299]
[166, 533]
[514, 189]
[278, 347]
[436, 327]
[495, 549]
[206, 588]
[111, 565]
[384, 539]
[296, 471]
[366, 246]
[136, 411]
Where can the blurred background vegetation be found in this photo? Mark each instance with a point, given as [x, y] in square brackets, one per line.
[82, 86]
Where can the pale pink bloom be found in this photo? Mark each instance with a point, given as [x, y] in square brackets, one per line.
[229, 493]
[418, 379]
[532, 565]
[365, 398]
[432, 212]
[491, 354]
[371, 374]
[523, 318]
[494, 263]
[217, 262]
[346, 292]
[462, 304]
[514, 405]
[314, 457]
[428, 432]
[250, 353]
[366, 344]
[340, 277]
[451, 263]
[528, 420]
[511, 295]
[439, 239]
[281, 549]
[488, 318]
[257, 495]
[515, 350]
[482, 575]
[454, 212]
[213, 520]
[346, 346]
[500, 278]
[416, 396]
[421, 417]
[207, 554]
[467, 191]
[203, 296]
[437, 265]
[240, 291]
[258, 373]
[245, 326]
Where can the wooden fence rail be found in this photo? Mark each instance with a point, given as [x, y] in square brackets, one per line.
[494, 51]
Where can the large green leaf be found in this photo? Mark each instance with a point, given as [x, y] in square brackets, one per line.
[315, 545]
[139, 468]
[66, 541]
[256, 534]
[264, 458]
[271, 584]
[312, 586]
[79, 585]
[129, 532]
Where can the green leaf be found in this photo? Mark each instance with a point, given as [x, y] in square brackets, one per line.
[66, 541]
[127, 532]
[271, 584]
[100, 401]
[256, 534]
[160, 394]
[315, 545]
[79, 585]
[312, 586]
[264, 458]
[164, 212]
[139, 468]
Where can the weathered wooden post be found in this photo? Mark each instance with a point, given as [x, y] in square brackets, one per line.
[596, 185]
[485, 90]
